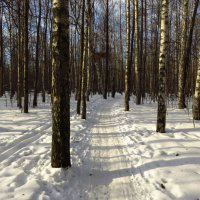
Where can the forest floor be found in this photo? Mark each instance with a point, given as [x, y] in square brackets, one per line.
[116, 155]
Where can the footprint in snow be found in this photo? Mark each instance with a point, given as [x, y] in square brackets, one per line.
[20, 180]
[26, 152]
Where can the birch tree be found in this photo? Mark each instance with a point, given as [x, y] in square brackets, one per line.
[78, 109]
[161, 115]
[105, 91]
[90, 46]
[84, 70]
[1, 49]
[196, 101]
[60, 157]
[182, 69]
[137, 61]
[127, 55]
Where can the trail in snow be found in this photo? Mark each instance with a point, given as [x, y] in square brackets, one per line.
[108, 171]
[102, 168]
[116, 155]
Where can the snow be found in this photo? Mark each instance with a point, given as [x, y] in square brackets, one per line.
[116, 155]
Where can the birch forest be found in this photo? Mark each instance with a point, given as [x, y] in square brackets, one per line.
[64, 54]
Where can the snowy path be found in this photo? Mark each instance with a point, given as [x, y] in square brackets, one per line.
[108, 172]
[116, 155]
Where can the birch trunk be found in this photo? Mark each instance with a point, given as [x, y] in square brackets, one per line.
[182, 69]
[105, 91]
[137, 61]
[60, 157]
[161, 115]
[1, 50]
[127, 55]
[196, 101]
[78, 109]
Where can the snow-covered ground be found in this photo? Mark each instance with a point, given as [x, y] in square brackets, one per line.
[116, 155]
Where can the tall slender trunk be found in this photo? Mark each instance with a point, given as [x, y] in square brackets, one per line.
[60, 156]
[131, 66]
[121, 51]
[182, 70]
[177, 45]
[75, 65]
[90, 47]
[161, 115]
[189, 41]
[78, 109]
[141, 57]
[11, 47]
[50, 56]
[105, 91]
[19, 68]
[72, 61]
[144, 76]
[84, 76]
[45, 64]
[1, 50]
[137, 58]
[196, 101]
[37, 58]
[127, 55]
[26, 55]
[113, 70]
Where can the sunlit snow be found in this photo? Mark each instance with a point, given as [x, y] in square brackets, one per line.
[116, 155]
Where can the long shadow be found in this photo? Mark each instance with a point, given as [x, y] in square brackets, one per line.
[185, 130]
[146, 167]
[172, 140]
[96, 177]
[169, 163]
[178, 149]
